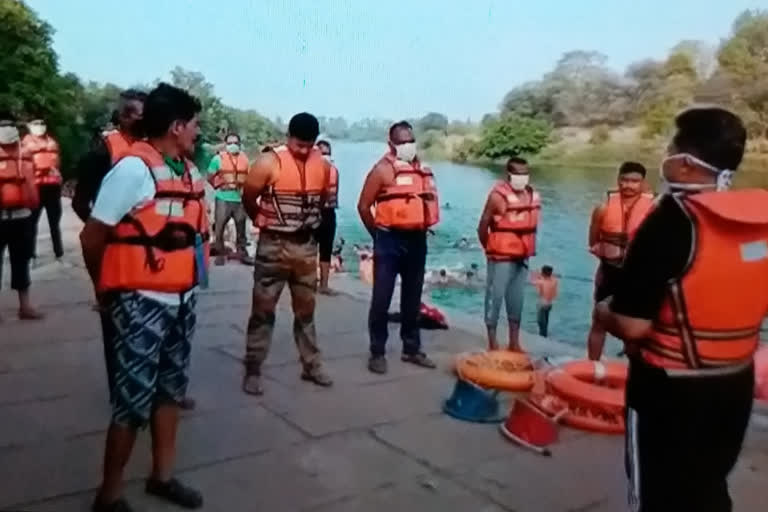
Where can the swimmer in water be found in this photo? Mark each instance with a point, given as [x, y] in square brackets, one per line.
[461, 244]
[366, 268]
[447, 206]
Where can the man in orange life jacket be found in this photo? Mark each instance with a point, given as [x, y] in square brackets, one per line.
[285, 190]
[146, 249]
[692, 294]
[44, 150]
[107, 150]
[507, 232]
[613, 225]
[18, 199]
[327, 230]
[227, 171]
[403, 194]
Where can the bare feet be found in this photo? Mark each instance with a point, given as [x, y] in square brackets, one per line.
[30, 314]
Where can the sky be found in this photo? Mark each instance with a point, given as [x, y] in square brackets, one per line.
[363, 58]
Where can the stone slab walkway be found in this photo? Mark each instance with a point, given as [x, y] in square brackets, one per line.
[368, 444]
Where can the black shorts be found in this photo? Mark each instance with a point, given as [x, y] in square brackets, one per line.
[606, 285]
[19, 236]
[684, 435]
[325, 234]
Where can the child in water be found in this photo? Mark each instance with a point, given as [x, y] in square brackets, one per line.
[546, 287]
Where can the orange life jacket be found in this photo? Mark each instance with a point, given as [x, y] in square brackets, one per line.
[153, 246]
[333, 188]
[232, 172]
[293, 203]
[710, 321]
[513, 233]
[410, 202]
[619, 225]
[45, 156]
[117, 145]
[15, 192]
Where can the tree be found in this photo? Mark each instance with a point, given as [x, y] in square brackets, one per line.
[512, 135]
[213, 117]
[702, 55]
[432, 121]
[744, 60]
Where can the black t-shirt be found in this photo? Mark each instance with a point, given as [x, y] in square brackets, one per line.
[658, 253]
[90, 171]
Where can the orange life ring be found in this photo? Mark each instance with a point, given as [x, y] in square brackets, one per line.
[595, 420]
[498, 369]
[590, 383]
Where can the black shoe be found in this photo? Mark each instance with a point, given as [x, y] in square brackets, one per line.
[377, 364]
[116, 506]
[419, 359]
[174, 492]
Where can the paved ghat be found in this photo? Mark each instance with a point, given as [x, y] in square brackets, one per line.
[370, 443]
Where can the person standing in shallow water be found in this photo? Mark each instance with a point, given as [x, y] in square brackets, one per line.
[397, 204]
[284, 193]
[547, 289]
[507, 232]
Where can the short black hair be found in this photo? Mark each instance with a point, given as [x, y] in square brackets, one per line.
[133, 95]
[324, 143]
[712, 134]
[232, 134]
[7, 115]
[546, 270]
[166, 104]
[516, 160]
[304, 126]
[400, 125]
[115, 118]
[632, 167]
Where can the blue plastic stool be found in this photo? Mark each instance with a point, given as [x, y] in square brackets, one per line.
[470, 402]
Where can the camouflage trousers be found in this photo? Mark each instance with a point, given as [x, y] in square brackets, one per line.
[282, 259]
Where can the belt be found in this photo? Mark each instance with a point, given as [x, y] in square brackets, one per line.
[301, 236]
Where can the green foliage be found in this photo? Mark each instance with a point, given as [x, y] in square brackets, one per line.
[512, 135]
[744, 60]
[432, 121]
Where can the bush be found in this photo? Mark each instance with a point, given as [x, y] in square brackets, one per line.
[600, 135]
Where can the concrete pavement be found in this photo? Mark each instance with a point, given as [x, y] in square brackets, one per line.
[370, 443]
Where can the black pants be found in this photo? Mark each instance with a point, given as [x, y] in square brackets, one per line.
[17, 235]
[325, 234]
[404, 253]
[50, 199]
[684, 435]
[542, 318]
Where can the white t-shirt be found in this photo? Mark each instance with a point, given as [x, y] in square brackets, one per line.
[128, 184]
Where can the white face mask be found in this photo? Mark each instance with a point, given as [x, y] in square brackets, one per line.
[233, 148]
[724, 176]
[518, 181]
[37, 130]
[8, 134]
[406, 151]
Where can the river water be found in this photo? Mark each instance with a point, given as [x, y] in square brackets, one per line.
[568, 196]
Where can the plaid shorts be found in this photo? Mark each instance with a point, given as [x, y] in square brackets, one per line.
[147, 348]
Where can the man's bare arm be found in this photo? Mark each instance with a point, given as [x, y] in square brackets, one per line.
[485, 220]
[93, 240]
[594, 226]
[373, 184]
[626, 328]
[261, 174]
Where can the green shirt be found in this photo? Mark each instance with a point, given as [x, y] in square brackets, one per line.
[232, 196]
